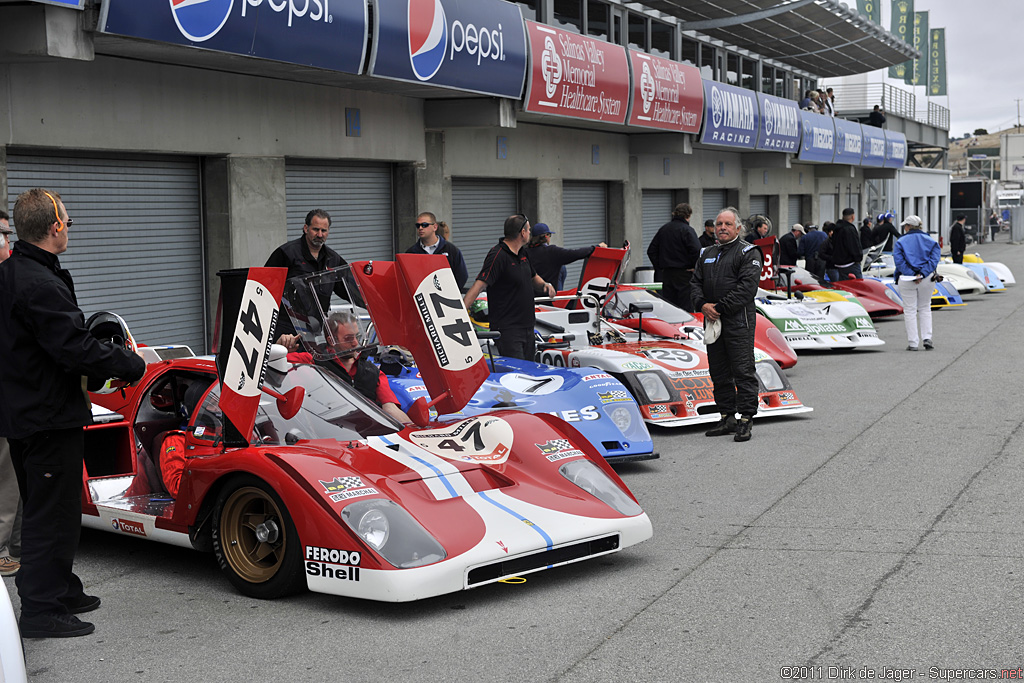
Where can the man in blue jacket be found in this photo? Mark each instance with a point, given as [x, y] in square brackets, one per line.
[430, 242]
[916, 255]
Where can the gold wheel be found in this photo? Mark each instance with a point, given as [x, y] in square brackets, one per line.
[254, 536]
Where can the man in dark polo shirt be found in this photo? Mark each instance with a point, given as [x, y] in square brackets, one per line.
[303, 256]
[511, 283]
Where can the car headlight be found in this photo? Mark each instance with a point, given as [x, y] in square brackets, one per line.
[621, 416]
[392, 532]
[974, 276]
[594, 481]
[893, 296]
[769, 376]
[653, 386]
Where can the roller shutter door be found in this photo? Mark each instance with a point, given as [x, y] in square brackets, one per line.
[584, 220]
[759, 205]
[479, 210]
[657, 210]
[794, 210]
[827, 208]
[358, 197]
[136, 247]
[713, 201]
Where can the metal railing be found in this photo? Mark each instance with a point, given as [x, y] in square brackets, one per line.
[893, 100]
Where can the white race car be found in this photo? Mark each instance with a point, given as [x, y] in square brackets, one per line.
[819, 319]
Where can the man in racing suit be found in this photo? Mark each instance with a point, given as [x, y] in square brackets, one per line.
[723, 288]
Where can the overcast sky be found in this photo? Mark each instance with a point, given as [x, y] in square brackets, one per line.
[985, 73]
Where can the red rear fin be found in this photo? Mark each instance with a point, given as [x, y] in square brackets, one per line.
[601, 272]
[414, 302]
[249, 306]
[770, 250]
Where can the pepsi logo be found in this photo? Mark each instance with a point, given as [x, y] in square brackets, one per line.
[647, 87]
[551, 67]
[200, 20]
[428, 37]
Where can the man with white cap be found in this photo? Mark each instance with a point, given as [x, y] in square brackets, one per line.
[917, 256]
[788, 246]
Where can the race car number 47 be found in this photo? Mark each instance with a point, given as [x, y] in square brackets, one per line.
[251, 343]
[446, 321]
[478, 439]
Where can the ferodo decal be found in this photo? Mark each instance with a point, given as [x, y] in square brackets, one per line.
[614, 396]
[480, 439]
[333, 564]
[345, 488]
[559, 449]
[584, 414]
[696, 388]
[446, 321]
[679, 358]
[528, 384]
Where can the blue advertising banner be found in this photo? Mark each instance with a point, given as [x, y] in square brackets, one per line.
[819, 137]
[873, 146]
[73, 4]
[329, 34]
[477, 46]
[849, 143]
[780, 124]
[895, 150]
[731, 116]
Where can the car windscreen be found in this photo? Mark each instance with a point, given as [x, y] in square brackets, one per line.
[618, 306]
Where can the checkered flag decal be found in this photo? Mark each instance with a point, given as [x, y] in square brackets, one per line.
[342, 484]
[619, 394]
[559, 444]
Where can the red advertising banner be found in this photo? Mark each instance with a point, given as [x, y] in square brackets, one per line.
[666, 94]
[576, 76]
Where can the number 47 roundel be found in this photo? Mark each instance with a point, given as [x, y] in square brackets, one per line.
[249, 310]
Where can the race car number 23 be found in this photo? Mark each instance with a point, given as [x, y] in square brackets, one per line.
[247, 359]
[446, 321]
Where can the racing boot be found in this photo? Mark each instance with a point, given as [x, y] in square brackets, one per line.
[726, 425]
[743, 429]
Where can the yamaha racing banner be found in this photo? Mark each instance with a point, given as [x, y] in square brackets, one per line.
[731, 116]
[780, 124]
[329, 34]
[478, 46]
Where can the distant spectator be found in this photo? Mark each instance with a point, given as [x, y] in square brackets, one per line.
[430, 241]
[877, 117]
[885, 231]
[830, 102]
[846, 252]
[994, 224]
[759, 229]
[673, 253]
[789, 246]
[707, 238]
[807, 102]
[958, 239]
[808, 248]
[866, 237]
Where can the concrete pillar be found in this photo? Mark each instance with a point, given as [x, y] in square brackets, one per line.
[775, 215]
[244, 215]
[541, 201]
[423, 187]
[625, 211]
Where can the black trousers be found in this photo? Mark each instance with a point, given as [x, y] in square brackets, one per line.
[675, 287]
[517, 342]
[731, 364]
[49, 469]
[958, 256]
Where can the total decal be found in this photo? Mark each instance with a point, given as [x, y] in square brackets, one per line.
[309, 32]
[126, 523]
[475, 46]
[666, 94]
[576, 76]
[731, 116]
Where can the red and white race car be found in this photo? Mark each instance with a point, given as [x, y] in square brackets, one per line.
[294, 480]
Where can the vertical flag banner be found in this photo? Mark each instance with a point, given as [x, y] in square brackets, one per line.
[919, 74]
[870, 9]
[937, 62]
[902, 28]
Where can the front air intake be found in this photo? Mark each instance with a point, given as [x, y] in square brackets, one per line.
[547, 558]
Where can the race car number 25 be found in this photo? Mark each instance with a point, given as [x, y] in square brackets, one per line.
[251, 344]
[446, 321]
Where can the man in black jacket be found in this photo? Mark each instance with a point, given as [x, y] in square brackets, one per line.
[789, 247]
[958, 239]
[549, 260]
[673, 253]
[49, 355]
[707, 238]
[430, 242]
[724, 285]
[307, 254]
[885, 231]
[846, 251]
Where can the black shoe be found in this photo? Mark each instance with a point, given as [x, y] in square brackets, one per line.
[911, 348]
[726, 425]
[54, 626]
[743, 429]
[83, 603]
[928, 346]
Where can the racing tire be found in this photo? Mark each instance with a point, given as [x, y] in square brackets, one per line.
[255, 541]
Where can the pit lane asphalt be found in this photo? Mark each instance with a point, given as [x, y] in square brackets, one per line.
[881, 530]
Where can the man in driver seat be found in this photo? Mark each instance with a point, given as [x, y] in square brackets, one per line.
[367, 379]
[172, 449]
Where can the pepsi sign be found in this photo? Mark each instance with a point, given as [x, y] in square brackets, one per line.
[329, 34]
[818, 137]
[780, 124]
[475, 46]
[895, 149]
[731, 116]
[873, 147]
[849, 143]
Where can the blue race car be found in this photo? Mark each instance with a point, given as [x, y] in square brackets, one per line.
[593, 402]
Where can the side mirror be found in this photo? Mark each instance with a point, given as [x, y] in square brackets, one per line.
[640, 307]
[419, 413]
[290, 402]
[799, 296]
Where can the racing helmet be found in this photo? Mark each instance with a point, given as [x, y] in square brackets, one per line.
[110, 328]
[478, 314]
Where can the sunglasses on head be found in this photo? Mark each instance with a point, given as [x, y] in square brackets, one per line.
[56, 212]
